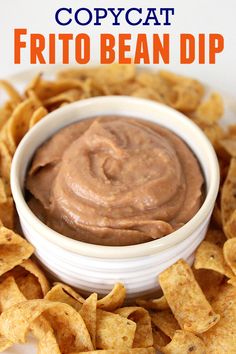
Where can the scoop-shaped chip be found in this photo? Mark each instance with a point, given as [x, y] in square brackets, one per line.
[215, 236]
[34, 270]
[160, 339]
[40, 113]
[13, 249]
[108, 75]
[149, 85]
[29, 286]
[45, 89]
[186, 299]
[9, 294]
[3, 194]
[89, 314]
[33, 84]
[7, 214]
[232, 281]
[122, 351]
[63, 293]
[232, 129]
[65, 97]
[154, 304]
[31, 94]
[185, 342]
[211, 110]
[209, 281]
[5, 113]
[221, 338]
[5, 162]
[77, 74]
[210, 256]
[11, 91]
[26, 282]
[5, 190]
[166, 322]
[114, 299]
[230, 253]
[175, 79]
[214, 132]
[216, 216]
[187, 96]
[18, 124]
[187, 92]
[146, 92]
[108, 81]
[114, 74]
[114, 331]
[230, 226]
[44, 333]
[143, 335]
[70, 329]
[229, 145]
[228, 196]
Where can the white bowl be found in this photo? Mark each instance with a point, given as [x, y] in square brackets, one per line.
[93, 267]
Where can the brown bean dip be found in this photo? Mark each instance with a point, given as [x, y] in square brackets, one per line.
[114, 181]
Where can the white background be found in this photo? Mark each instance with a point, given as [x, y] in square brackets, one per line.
[191, 16]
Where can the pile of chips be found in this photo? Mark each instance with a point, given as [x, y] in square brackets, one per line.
[197, 311]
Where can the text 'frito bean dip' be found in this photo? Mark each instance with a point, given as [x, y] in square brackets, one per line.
[114, 180]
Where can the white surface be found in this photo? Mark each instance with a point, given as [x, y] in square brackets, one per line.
[196, 16]
[29, 348]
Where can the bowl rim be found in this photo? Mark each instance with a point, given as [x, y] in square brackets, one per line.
[119, 252]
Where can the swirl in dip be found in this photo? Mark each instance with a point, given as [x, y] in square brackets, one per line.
[114, 181]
